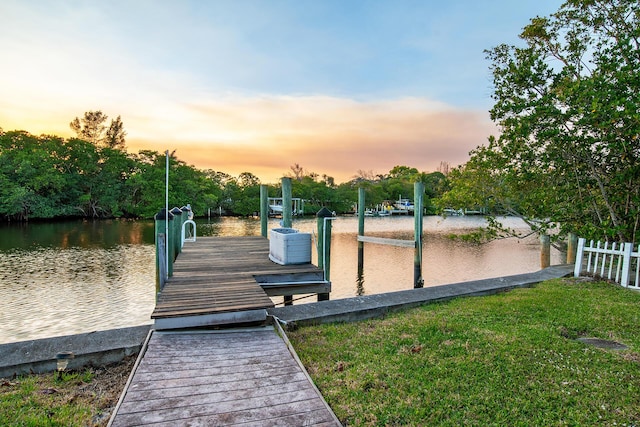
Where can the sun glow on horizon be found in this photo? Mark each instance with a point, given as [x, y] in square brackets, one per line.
[327, 135]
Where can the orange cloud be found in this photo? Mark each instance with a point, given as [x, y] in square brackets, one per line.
[265, 135]
[333, 136]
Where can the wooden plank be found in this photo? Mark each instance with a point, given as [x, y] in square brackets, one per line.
[386, 241]
[230, 378]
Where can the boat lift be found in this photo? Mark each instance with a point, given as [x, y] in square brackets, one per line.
[275, 206]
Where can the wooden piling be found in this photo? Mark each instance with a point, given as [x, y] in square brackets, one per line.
[361, 210]
[572, 245]
[545, 251]
[324, 246]
[418, 192]
[286, 202]
[177, 231]
[161, 244]
[264, 209]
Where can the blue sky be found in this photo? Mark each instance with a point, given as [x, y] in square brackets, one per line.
[259, 85]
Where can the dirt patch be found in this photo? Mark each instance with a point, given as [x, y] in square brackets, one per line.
[106, 387]
[606, 344]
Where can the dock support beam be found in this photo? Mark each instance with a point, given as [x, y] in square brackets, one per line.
[264, 209]
[418, 193]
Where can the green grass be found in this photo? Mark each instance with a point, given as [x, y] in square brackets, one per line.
[75, 398]
[508, 359]
[41, 400]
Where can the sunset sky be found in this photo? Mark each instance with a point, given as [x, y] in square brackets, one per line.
[336, 86]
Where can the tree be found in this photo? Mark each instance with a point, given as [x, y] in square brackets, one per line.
[92, 128]
[568, 107]
[114, 137]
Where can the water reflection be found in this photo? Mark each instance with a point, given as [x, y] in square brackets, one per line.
[72, 277]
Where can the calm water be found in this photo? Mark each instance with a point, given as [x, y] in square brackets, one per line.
[74, 277]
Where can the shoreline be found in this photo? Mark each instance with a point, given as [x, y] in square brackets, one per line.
[111, 346]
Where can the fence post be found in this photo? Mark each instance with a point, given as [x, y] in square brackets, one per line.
[579, 255]
[572, 242]
[545, 251]
[626, 264]
[264, 209]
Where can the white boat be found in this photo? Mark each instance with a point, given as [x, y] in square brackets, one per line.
[275, 208]
[404, 205]
[452, 212]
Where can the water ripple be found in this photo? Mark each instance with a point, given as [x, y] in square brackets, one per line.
[55, 291]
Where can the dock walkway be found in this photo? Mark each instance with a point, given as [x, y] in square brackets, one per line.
[245, 377]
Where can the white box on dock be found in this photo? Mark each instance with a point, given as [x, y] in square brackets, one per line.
[288, 246]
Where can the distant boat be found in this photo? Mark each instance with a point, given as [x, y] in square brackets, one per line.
[275, 208]
[376, 213]
[452, 212]
[404, 205]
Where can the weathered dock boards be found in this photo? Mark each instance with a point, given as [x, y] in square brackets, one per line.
[216, 281]
[242, 377]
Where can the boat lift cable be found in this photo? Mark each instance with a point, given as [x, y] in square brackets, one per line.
[297, 299]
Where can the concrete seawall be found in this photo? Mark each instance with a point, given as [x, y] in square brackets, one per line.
[93, 348]
[370, 306]
[104, 347]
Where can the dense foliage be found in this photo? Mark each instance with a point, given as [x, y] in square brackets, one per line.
[50, 177]
[568, 108]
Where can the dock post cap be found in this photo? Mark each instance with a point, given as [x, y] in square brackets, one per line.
[324, 213]
[163, 214]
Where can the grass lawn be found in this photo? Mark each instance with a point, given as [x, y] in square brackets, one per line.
[511, 359]
[79, 398]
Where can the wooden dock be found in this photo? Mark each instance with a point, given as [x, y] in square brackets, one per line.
[219, 374]
[244, 377]
[228, 280]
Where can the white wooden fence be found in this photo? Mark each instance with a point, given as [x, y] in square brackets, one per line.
[611, 261]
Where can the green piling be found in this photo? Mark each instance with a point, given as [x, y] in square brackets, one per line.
[264, 209]
[361, 209]
[324, 246]
[161, 242]
[286, 202]
[418, 192]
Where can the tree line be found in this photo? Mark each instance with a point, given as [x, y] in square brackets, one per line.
[93, 176]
